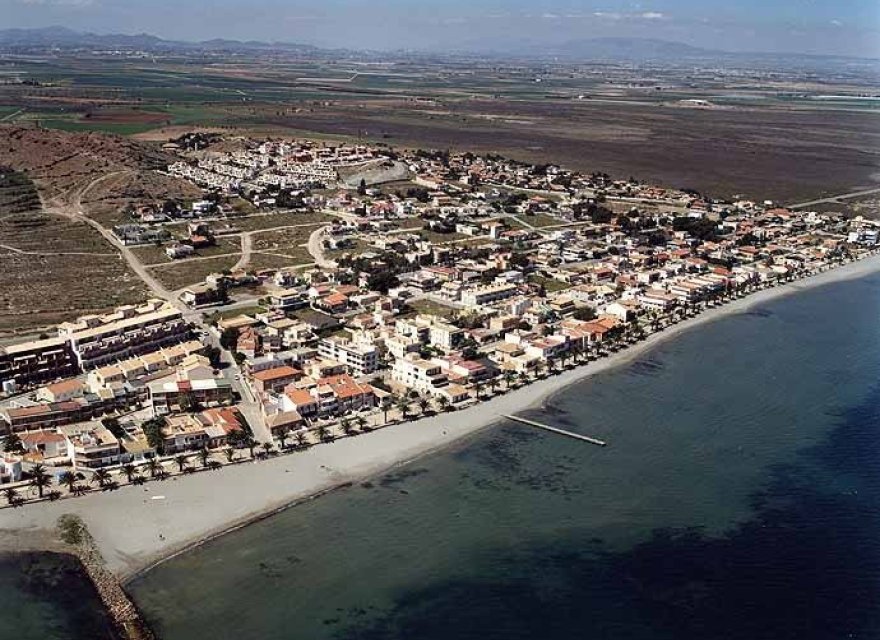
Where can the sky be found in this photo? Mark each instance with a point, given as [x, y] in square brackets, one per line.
[848, 27]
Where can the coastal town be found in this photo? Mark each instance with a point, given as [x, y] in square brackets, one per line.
[415, 283]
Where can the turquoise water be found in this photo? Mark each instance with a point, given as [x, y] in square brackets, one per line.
[740, 498]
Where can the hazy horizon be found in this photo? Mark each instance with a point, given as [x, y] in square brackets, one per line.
[781, 26]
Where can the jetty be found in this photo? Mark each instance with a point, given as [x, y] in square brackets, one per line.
[563, 432]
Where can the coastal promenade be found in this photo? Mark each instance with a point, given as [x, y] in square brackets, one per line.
[137, 526]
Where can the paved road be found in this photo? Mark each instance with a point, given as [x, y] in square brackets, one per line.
[835, 199]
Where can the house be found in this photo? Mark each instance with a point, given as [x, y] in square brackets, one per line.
[275, 379]
[44, 446]
[61, 391]
[91, 445]
[200, 294]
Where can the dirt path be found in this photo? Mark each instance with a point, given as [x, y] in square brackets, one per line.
[247, 245]
[316, 248]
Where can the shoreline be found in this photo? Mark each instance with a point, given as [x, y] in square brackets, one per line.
[136, 528]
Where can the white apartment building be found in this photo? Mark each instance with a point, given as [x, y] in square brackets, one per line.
[487, 294]
[419, 375]
[360, 359]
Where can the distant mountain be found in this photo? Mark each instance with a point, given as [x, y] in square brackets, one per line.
[632, 49]
[64, 38]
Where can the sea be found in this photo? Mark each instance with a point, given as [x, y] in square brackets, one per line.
[738, 499]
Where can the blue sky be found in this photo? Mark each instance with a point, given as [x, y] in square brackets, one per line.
[813, 26]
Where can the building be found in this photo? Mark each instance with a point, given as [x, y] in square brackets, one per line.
[210, 428]
[91, 445]
[36, 362]
[178, 395]
[359, 359]
[129, 331]
[275, 379]
[419, 375]
[487, 294]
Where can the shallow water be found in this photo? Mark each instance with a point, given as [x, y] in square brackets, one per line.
[739, 498]
[48, 596]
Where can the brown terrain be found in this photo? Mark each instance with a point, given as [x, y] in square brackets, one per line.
[788, 155]
[55, 264]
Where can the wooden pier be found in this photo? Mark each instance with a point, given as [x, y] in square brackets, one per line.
[562, 432]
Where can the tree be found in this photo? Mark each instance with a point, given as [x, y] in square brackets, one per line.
[346, 426]
[129, 470]
[361, 422]
[186, 402]
[181, 462]
[13, 444]
[362, 187]
[152, 429]
[282, 438]
[300, 439]
[102, 477]
[40, 479]
[204, 456]
[154, 467]
[508, 378]
[251, 443]
[70, 479]
[323, 433]
[423, 403]
[387, 402]
[443, 403]
[229, 452]
[403, 406]
[12, 497]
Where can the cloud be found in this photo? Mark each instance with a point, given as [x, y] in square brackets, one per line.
[837, 23]
[616, 15]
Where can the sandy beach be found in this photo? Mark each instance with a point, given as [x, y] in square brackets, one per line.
[136, 527]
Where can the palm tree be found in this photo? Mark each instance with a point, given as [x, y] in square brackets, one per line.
[493, 384]
[251, 443]
[361, 422]
[70, 478]
[129, 470]
[423, 404]
[267, 448]
[102, 477]
[154, 467]
[443, 403]
[230, 453]
[282, 438]
[40, 479]
[323, 432]
[300, 438]
[12, 496]
[478, 388]
[345, 423]
[403, 405]
[181, 462]
[508, 378]
[204, 456]
[387, 403]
